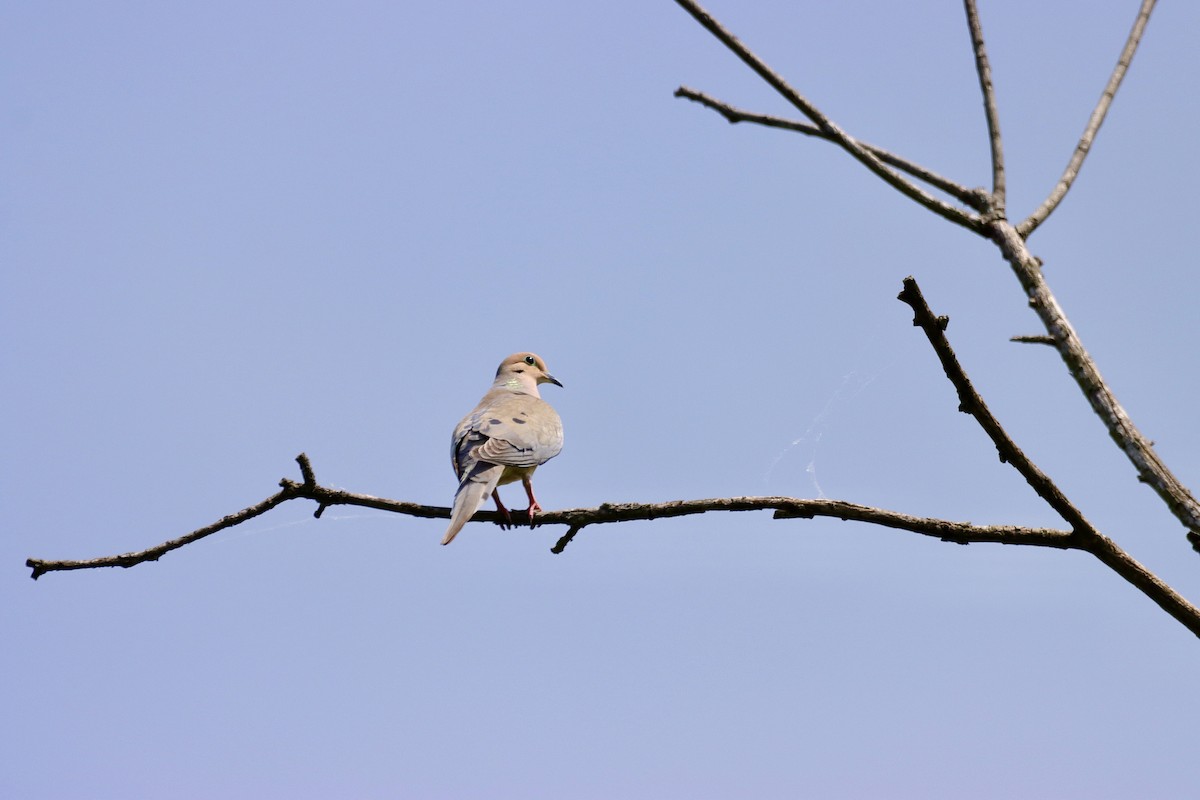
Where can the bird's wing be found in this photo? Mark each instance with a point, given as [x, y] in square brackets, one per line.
[513, 430]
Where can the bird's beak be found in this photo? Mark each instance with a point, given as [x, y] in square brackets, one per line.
[548, 378]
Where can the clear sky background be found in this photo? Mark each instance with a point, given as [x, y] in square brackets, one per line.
[232, 232]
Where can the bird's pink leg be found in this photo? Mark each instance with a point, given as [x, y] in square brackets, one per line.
[507, 518]
[533, 503]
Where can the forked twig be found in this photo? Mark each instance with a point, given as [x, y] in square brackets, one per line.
[976, 198]
[835, 133]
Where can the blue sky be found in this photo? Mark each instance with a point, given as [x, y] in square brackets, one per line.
[234, 232]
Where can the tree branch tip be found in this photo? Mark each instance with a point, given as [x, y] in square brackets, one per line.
[39, 570]
[1033, 339]
[565, 539]
[320, 510]
[306, 470]
[730, 114]
[1192, 537]
[910, 294]
[1095, 120]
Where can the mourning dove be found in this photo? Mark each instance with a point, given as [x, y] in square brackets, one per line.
[504, 439]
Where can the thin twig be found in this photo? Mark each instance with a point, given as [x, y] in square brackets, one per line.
[970, 402]
[835, 133]
[989, 103]
[1093, 125]
[42, 566]
[974, 198]
[566, 539]
[1036, 338]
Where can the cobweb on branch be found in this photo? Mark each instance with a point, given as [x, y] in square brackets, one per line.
[806, 448]
[241, 532]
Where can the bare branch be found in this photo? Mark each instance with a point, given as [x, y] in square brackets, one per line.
[42, 566]
[784, 507]
[835, 134]
[797, 508]
[970, 402]
[989, 103]
[290, 490]
[1084, 535]
[577, 518]
[1093, 125]
[974, 198]
[1137, 448]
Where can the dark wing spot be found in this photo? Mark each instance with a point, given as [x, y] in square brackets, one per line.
[518, 420]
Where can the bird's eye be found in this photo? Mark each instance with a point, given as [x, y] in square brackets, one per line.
[530, 360]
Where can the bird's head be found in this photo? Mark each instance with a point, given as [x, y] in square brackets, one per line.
[524, 371]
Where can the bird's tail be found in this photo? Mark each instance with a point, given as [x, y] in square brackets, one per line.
[472, 492]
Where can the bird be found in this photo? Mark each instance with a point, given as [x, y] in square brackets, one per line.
[504, 439]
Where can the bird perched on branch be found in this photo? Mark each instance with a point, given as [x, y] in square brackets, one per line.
[509, 434]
